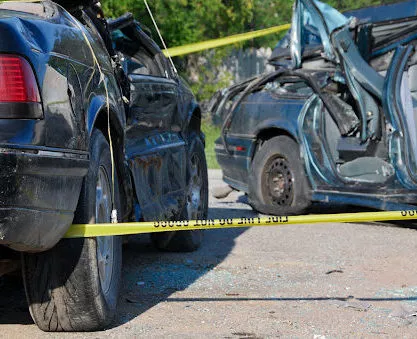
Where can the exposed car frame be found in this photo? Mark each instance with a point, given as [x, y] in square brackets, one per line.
[343, 98]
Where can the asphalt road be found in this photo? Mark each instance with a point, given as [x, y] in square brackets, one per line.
[313, 281]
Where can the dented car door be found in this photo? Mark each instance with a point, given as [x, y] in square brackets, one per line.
[401, 106]
[381, 100]
[155, 149]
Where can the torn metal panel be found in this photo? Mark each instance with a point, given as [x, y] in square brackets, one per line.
[221, 103]
[313, 23]
[160, 181]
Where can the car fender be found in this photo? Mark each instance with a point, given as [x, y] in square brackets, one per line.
[98, 104]
[281, 126]
[276, 127]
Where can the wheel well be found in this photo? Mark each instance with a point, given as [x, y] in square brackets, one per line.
[195, 121]
[269, 133]
[101, 124]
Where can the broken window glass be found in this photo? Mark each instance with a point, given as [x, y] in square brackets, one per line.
[313, 23]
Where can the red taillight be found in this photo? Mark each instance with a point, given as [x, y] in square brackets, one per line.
[17, 81]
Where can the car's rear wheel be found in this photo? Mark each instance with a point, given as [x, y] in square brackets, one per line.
[196, 206]
[277, 183]
[74, 286]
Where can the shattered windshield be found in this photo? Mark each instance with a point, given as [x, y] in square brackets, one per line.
[319, 20]
[313, 22]
[332, 17]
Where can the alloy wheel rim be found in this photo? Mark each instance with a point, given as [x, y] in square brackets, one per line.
[105, 254]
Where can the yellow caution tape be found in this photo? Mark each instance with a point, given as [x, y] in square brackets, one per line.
[214, 43]
[96, 230]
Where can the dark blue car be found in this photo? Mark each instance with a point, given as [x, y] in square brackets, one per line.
[94, 121]
[337, 121]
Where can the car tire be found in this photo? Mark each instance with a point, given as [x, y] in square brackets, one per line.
[196, 206]
[277, 182]
[74, 286]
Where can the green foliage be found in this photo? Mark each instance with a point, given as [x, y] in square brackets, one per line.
[188, 21]
[209, 75]
[212, 133]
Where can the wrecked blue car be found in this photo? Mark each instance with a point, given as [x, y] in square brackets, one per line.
[336, 121]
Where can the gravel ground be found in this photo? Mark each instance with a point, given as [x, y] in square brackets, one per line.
[318, 281]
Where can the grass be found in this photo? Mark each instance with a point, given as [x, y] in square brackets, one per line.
[212, 133]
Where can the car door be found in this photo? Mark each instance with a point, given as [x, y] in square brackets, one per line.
[155, 152]
[400, 104]
[389, 131]
[362, 149]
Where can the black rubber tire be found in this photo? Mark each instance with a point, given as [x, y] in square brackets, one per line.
[63, 286]
[260, 198]
[188, 241]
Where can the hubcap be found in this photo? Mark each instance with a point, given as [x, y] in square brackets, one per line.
[105, 253]
[279, 180]
[194, 201]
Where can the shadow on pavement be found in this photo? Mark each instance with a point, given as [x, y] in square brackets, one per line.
[151, 277]
[13, 306]
[148, 277]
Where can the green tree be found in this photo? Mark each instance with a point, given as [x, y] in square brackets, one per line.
[188, 21]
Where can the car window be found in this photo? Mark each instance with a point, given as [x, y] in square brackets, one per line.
[143, 63]
[134, 66]
[164, 65]
[137, 60]
[332, 18]
[310, 32]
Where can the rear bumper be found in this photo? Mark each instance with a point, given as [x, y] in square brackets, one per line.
[39, 191]
[235, 165]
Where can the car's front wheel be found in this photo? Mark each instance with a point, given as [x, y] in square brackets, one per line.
[74, 286]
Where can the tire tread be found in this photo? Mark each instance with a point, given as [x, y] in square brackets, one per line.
[62, 285]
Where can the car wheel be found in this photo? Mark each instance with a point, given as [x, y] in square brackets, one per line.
[74, 286]
[278, 183]
[196, 206]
